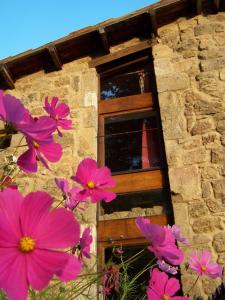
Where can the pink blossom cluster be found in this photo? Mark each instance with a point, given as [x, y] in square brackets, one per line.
[163, 244]
[93, 181]
[38, 132]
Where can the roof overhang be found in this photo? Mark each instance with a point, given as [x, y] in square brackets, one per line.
[96, 41]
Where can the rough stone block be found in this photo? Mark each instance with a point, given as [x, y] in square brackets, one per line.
[163, 66]
[219, 38]
[172, 82]
[197, 209]
[214, 205]
[162, 51]
[219, 242]
[185, 181]
[195, 156]
[206, 224]
[212, 53]
[203, 126]
[172, 115]
[222, 74]
[213, 64]
[218, 156]
[219, 188]
[206, 189]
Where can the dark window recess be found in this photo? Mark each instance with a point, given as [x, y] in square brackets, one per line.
[132, 142]
[126, 83]
[139, 288]
[145, 199]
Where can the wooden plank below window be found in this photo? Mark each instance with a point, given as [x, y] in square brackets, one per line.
[140, 181]
[124, 229]
[144, 100]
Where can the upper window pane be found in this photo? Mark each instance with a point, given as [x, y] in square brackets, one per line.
[126, 83]
[132, 142]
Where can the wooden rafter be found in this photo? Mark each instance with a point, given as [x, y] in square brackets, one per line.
[4, 71]
[152, 13]
[199, 7]
[113, 56]
[104, 39]
[216, 4]
[55, 57]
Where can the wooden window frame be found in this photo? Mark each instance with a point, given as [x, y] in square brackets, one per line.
[117, 232]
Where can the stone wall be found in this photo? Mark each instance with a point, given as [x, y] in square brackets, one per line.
[189, 62]
[76, 85]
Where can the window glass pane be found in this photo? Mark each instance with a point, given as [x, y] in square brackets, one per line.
[125, 84]
[131, 205]
[132, 142]
[138, 265]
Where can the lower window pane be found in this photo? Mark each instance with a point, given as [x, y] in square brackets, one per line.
[147, 203]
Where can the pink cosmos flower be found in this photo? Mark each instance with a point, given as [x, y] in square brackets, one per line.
[162, 241]
[177, 234]
[204, 265]
[166, 267]
[58, 111]
[94, 181]
[70, 195]
[85, 243]
[161, 287]
[30, 233]
[41, 145]
[11, 109]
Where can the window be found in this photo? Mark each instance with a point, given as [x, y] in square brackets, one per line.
[130, 143]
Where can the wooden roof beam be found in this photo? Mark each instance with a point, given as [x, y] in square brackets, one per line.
[55, 57]
[4, 71]
[216, 5]
[152, 14]
[104, 40]
[199, 7]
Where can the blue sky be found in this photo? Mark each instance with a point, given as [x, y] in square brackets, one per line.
[28, 24]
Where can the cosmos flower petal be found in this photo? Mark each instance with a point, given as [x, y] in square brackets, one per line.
[52, 151]
[50, 235]
[85, 171]
[42, 265]
[152, 295]
[104, 177]
[27, 161]
[172, 286]
[35, 208]
[10, 204]
[62, 110]
[71, 270]
[65, 124]
[101, 195]
[62, 184]
[158, 281]
[11, 109]
[13, 277]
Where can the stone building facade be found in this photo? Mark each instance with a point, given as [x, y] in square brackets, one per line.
[189, 65]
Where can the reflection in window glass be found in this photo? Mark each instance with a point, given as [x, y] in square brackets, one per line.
[125, 84]
[132, 142]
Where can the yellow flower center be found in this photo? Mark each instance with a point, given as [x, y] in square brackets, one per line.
[56, 117]
[90, 184]
[203, 268]
[165, 297]
[26, 244]
[35, 145]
